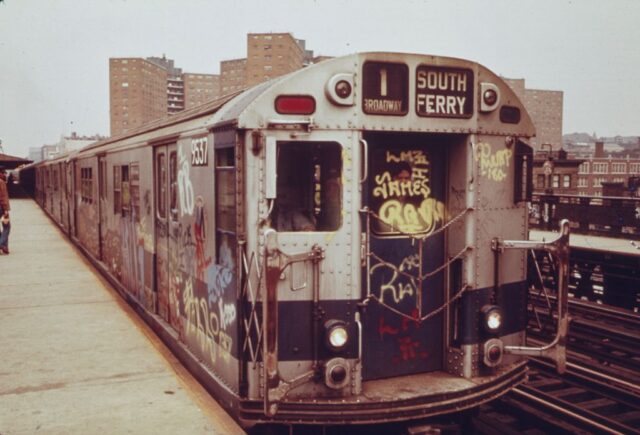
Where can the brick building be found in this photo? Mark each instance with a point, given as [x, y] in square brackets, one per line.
[269, 55]
[612, 171]
[143, 90]
[545, 108]
[137, 93]
[233, 75]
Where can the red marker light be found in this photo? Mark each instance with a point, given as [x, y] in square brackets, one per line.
[295, 104]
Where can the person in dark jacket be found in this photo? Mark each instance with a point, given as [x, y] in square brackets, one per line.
[4, 213]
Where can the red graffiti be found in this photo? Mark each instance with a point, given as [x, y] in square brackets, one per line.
[409, 348]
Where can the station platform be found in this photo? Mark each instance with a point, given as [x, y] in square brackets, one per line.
[75, 357]
[596, 243]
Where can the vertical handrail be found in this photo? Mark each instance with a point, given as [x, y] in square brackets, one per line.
[365, 161]
[557, 349]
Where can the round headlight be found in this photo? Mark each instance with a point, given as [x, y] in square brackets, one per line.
[490, 97]
[492, 318]
[336, 334]
[343, 89]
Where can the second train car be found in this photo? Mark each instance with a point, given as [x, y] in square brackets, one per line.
[331, 246]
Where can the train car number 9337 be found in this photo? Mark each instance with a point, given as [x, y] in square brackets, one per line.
[441, 92]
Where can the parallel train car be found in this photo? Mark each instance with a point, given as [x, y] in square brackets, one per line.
[334, 246]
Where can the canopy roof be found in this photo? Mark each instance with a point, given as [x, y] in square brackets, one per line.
[12, 162]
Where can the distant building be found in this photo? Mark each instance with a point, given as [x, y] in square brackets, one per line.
[545, 108]
[603, 175]
[233, 75]
[555, 173]
[199, 88]
[66, 144]
[137, 93]
[269, 55]
[143, 90]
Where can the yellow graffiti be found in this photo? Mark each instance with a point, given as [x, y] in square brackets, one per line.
[493, 165]
[410, 219]
[205, 326]
[387, 187]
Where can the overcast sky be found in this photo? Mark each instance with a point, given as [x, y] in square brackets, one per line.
[54, 54]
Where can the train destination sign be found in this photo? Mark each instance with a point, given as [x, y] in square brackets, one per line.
[385, 88]
[443, 92]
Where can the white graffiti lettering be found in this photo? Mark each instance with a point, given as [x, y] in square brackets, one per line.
[185, 188]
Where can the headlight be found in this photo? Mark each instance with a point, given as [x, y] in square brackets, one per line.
[492, 318]
[336, 334]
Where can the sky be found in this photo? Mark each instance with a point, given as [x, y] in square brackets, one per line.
[54, 54]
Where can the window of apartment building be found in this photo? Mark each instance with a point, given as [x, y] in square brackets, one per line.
[583, 182]
[125, 84]
[600, 167]
[268, 67]
[267, 47]
[555, 181]
[597, 182]
[634, 168]
[618, 168]
[566, 180]
[583, 168]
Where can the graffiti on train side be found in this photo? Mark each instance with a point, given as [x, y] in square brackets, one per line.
[185, 187]
[206, 326]
[399, 286]
[493, 165]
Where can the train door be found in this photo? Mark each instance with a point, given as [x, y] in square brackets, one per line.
[404, 194]
[102, 202]
[166, 218]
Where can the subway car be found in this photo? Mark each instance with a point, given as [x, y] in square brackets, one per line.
[346, 244]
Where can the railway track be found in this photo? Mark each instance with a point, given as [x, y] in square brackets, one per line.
[580, 401]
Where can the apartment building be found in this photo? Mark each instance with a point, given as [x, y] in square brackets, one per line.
[137, 93]
[600, 171]
[545, 108]
[233, 75]
[143, 90]
[199, 88]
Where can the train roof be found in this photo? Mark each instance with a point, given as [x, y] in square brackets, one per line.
[254, 108]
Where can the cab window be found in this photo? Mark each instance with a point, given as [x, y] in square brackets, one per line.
[309, 187]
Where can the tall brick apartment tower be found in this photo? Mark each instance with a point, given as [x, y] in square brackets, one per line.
[143, 90]
[137, 93]
[545, 108]
[269, 55]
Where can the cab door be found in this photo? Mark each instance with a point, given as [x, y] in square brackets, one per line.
[404, 196]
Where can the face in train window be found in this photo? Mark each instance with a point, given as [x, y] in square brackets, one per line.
[309, 187]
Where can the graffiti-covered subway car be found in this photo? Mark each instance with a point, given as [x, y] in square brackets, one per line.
[326, 247]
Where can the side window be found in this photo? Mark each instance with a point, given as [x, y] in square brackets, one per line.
[225, 207]
[117, 190]
[173, 185]
[161, 189]
[135, 190]
[126, 193]
[309, 187]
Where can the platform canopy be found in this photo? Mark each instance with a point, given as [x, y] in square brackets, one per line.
[12, 162]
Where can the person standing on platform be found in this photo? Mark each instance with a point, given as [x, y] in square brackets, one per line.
[5, 224]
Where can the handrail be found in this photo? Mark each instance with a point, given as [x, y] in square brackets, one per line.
[557, 349]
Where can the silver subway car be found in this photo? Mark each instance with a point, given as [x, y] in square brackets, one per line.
[343, 244]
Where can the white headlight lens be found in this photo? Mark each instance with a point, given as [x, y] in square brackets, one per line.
[494, 320]
[338, 336]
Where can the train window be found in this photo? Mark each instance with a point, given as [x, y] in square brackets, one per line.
[117, 190]
[173, 185]
[225, 206]
[86, 185]
[161, 189]
[134, 174]
[309, 187]
[126, 194]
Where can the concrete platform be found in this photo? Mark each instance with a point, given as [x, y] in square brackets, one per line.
[74, 358]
